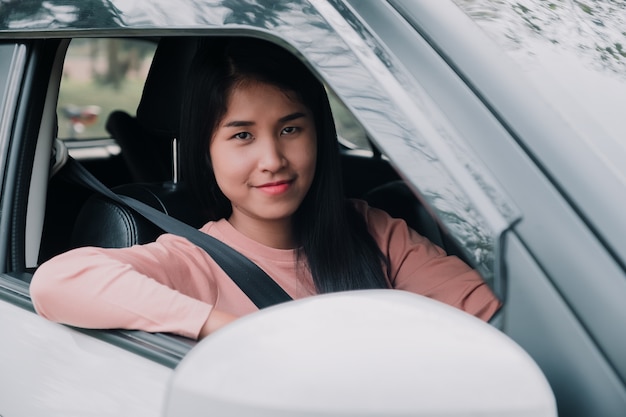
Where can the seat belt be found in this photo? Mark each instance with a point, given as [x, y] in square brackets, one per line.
[252, 280]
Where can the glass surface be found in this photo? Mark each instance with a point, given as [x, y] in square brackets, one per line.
[575, 52]
[349, 131]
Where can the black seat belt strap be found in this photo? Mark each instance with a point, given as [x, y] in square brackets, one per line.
[252, 280]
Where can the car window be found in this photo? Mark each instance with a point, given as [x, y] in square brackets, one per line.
[105, 74]
[99, 76]
[574, 53]
[350, 132]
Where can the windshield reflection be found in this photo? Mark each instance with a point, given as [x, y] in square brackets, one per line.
[48, 14]
[574, 51]
[592, 30]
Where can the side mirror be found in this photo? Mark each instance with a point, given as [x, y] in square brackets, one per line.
[374, 352]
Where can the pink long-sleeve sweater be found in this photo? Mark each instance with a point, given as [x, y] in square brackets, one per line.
[172, 285]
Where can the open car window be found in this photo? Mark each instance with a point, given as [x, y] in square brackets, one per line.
[100, 75]
[350, 132]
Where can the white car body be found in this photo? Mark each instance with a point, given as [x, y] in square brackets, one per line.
[531, 194]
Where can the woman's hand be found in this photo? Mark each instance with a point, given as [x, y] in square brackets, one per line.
[216, 320]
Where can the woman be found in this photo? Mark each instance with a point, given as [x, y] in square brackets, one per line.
[261, 152]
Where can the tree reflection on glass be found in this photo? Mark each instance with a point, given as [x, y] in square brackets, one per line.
[259, 13]
[574, 55]
[593, 29]
[50, 14]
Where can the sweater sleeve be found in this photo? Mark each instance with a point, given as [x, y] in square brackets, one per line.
[156, 287]
[419, 266]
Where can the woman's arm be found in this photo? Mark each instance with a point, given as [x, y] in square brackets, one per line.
[156, 287]
[419, 266]
[217, 319]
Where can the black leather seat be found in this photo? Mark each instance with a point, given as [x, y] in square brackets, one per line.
[105, 223]
[146, 142]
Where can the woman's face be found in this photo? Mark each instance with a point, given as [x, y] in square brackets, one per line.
[263, 154]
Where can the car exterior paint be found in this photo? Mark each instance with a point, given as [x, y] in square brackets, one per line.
[69, 373]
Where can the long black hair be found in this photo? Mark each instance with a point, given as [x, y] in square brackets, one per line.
[333, 238]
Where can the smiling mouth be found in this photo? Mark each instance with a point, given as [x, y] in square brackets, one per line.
[275, 188]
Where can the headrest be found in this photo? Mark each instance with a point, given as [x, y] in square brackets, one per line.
[159, 109]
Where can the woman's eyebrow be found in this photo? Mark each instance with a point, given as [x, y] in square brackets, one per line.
[244, 123]
[238, 123]
[292, 116]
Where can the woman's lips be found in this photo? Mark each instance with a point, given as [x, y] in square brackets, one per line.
[275, 188]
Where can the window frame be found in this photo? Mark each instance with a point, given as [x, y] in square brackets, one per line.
[349, 53]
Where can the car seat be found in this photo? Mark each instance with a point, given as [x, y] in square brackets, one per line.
[146, 140]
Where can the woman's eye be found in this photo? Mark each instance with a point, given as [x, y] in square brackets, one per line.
[289, 130]
[242, 135]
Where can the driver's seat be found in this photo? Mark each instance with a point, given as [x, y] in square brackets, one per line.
[146, 141]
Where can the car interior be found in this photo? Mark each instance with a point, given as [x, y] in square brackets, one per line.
[146, 169]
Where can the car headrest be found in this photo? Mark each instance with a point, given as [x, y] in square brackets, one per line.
[159, 109]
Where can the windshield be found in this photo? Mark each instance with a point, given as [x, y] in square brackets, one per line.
[574, 51]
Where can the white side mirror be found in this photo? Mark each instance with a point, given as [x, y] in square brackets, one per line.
[375, 353]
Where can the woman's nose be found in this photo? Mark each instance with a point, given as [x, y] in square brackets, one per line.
[271, 156]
